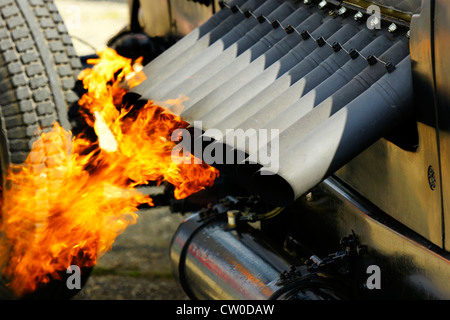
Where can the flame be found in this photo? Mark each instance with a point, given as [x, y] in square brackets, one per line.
[72, 197]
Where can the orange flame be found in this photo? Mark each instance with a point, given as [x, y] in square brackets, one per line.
[70, 210]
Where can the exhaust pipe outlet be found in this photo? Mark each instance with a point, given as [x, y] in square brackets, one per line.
[338, 139]
[212, 257]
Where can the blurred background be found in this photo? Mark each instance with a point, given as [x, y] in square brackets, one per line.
[138, 265]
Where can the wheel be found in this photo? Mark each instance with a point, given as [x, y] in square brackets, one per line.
[38, 70]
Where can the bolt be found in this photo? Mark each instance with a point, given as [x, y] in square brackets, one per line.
[289, 29]
[321, 42]
[392, 28]
[431, 178]
[322, 4]
[342, 11]
[347, 241]
[361, 249]
[358, 16]
[336, 47]
[353, 53]
[374, 23]
[232, 218]
[390, 67]
[305, 35]
[371, 60]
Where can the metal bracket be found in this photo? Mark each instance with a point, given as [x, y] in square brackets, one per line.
[351, 247]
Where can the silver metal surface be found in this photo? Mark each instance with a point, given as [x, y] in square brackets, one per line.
[232, 59]
[211, 262]
[243, 36]
[295, 84]
[261, 54]
[252, 90]
[338, 138]
[244, 92]
[195, 42]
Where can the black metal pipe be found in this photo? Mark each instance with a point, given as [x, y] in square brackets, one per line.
[339, 139]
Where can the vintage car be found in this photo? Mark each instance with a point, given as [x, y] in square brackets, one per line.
[327, 121]
[356, 206]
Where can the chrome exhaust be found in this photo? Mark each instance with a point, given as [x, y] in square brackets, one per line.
[213, 257]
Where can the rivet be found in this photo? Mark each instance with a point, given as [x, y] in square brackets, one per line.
[342, 11]
[392, 28]
[275, 24]
[358, 16]
[289, 29]
[321, 42]
[353, 54]
[390, 67]
[322, 4]
[431, 178]
[305, 35]
[371, 60]
[336, 46]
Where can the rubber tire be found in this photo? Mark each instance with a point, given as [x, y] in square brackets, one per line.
[38, 70]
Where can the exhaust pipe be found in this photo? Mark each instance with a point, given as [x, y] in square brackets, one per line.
[346, 84]
[213, 260]
[199, 39]
[244, 35]
[338, 139]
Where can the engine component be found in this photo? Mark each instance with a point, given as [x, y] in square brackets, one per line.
[213, 260]
[296, 70]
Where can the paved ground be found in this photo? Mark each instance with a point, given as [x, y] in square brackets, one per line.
[138, 265]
